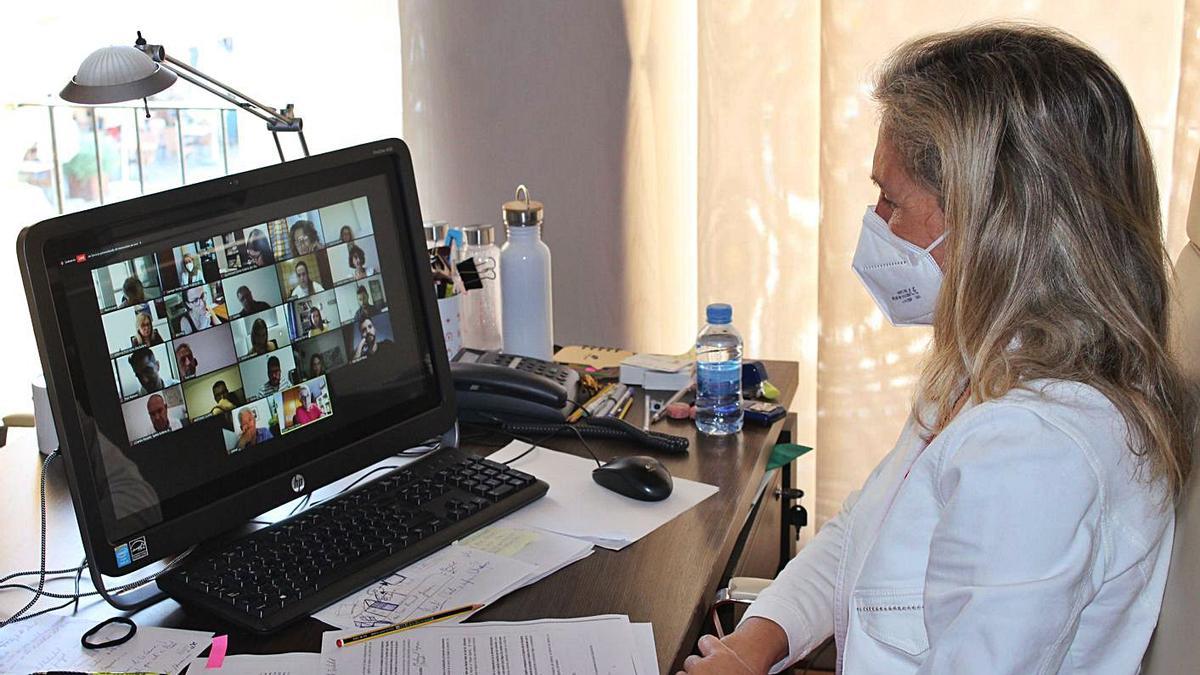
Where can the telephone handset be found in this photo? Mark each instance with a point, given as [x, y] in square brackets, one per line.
[492, 386]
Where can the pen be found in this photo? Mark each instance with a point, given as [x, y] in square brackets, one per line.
[625, 396]
[615, 398]
[646, 409]
[405, 625]
[674, 398]
[594, 402]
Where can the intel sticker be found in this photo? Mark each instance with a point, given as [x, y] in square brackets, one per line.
[122, 553]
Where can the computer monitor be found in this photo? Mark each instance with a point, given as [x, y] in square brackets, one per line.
[212, 351]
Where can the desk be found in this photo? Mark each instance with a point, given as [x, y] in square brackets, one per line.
[668, 578]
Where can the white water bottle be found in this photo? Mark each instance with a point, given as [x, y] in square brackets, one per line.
[527, 319]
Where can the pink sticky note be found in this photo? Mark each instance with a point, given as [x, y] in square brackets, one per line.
[216, 655]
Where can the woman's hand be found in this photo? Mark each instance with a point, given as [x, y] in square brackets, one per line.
[717, 658]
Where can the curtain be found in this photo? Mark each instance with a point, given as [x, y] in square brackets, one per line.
[693, 152]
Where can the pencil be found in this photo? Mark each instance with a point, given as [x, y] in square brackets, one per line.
[405, 625]
[625, 408]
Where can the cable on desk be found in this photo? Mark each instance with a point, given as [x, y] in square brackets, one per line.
[42, 573]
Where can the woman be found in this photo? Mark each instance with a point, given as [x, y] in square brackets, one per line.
[259, 342]
[316, 366]
[346, 235]
[258, 249]
[1023, 521]
[304, 237]
[134, 292]
[358, 263]
[191, 273]
[144, 332]
[316, 323]
[308, 410]
[197, 314]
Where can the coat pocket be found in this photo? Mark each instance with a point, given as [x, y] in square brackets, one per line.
[894, 617]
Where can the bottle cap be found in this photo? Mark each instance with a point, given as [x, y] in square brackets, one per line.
[522, 211]
[719, 313]
[435, 232]
[479, 234]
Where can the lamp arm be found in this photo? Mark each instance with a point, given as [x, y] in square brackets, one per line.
[286, 118]
[269, 119]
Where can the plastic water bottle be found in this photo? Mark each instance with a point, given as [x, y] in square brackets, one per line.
[719, 374]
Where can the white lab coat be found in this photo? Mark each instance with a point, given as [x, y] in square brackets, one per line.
[1021, 541]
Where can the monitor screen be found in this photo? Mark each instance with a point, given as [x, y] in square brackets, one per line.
[221, 343]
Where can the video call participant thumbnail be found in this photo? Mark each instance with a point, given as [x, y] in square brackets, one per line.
[355, 261]
[204, 352]
[260, 252]
[314, 315]
[360, 299]
[303, 236]
[153, 364]
[197, 308]
[345, 221]
[253, 424]
[127, 283]
[319, 355]
[138, 326]
[305, 403]
[267, 374]
[189, 269]
[304, 276]
[261, 333]
[253, 292]
[154, 414]
[214, 393]
[371, 336]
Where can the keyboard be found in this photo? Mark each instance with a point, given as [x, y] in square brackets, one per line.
[292, 568]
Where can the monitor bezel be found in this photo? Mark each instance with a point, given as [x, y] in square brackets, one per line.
[177, 534]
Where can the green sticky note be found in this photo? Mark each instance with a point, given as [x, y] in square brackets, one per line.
[784, 453]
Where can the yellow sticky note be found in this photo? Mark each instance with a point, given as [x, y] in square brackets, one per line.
[500, 540]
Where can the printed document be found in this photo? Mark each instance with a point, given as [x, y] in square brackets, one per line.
[599, 645]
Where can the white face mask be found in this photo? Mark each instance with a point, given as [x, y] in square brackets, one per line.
[191, 266]
[902, 277]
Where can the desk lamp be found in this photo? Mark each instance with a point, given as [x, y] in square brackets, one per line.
[123, 73]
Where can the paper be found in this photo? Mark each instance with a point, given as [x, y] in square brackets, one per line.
[661, 362]
[577, 507]
[299, 663]
[452, 577]
[479, 569]
[50, 642]
[547, 551]
[602, 644]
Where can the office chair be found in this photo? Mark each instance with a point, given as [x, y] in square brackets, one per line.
[1173, 648]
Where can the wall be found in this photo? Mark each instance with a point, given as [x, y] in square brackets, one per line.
[586, 104]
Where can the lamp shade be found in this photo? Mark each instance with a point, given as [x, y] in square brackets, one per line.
[115, 74]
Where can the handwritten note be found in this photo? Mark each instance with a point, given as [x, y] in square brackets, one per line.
[51, 642]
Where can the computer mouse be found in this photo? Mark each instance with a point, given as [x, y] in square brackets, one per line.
[638, 477]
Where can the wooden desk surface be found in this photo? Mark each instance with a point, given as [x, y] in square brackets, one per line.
[667, 578]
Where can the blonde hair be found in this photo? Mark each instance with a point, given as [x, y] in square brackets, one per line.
[1055, 266]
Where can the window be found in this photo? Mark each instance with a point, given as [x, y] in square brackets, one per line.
[82, 157]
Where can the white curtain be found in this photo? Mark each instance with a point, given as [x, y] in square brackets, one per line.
[690, 152]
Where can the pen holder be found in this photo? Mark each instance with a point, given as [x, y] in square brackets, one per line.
[449, 309]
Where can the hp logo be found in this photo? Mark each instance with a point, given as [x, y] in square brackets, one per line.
[298, 483]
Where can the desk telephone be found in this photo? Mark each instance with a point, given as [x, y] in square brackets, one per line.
[491, 385]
